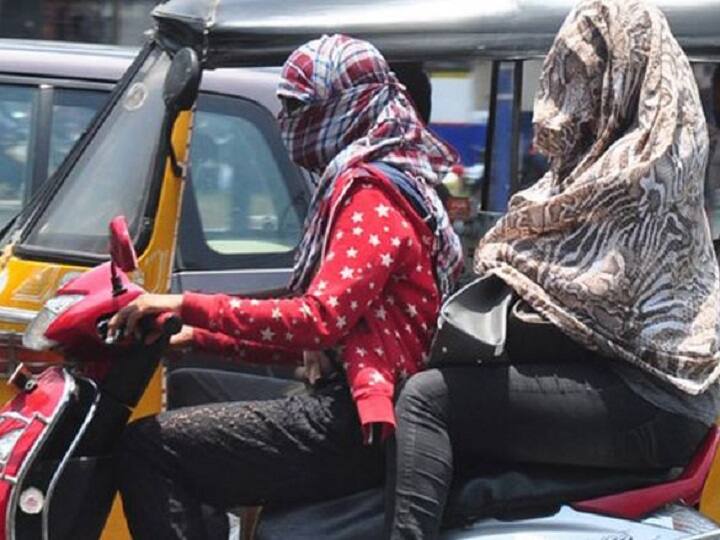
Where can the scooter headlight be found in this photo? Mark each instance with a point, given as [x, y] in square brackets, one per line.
[34, 337]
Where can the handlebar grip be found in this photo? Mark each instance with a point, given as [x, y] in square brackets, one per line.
[167, 323]
[170, 323]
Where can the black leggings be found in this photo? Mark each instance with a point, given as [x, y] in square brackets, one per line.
[301, 448]
[573, 413]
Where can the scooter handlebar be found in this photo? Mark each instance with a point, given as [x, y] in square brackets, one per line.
[168, 324]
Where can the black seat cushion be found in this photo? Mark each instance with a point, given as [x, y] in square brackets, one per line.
[493, 491]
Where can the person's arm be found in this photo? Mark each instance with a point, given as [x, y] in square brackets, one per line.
[242, 350]
[366, 245]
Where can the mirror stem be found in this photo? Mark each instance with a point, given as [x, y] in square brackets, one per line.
[117, 285]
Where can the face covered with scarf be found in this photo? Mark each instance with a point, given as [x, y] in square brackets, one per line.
[612, 245]
[341, 106]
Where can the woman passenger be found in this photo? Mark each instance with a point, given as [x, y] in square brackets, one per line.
[376, 258]
[611, 250]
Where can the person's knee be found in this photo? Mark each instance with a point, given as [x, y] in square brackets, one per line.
[422, 394]
[136, 443]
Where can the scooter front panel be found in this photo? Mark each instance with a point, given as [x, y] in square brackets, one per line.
[25, 424]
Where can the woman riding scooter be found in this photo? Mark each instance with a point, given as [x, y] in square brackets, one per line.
[611, 258]
[376, 259]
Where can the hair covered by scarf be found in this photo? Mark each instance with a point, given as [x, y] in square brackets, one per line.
[352, 109]
[612, 245]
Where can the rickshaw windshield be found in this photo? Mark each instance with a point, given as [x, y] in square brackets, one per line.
[114, 173]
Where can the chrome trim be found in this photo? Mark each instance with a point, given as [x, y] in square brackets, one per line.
[63, 462]
[17, 315]
[32, 454]
[12, 415]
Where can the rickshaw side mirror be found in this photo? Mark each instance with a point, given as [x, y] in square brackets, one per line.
[122, 251]
[182, 80]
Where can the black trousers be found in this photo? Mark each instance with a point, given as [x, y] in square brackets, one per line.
[300, 448]
[574, 413]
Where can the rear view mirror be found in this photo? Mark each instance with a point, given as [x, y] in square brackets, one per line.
[182, 80]
[122, 251]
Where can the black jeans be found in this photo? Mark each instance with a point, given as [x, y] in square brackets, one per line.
[574, 413]
[300, 448]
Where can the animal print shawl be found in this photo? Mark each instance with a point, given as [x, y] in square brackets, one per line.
[612, 245]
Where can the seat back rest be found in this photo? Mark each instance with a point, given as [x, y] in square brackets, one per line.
[686, 488]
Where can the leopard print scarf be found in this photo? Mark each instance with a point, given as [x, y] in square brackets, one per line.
[613, 245]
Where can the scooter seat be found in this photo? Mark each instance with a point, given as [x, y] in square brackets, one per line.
[687, 487]
[493, 491]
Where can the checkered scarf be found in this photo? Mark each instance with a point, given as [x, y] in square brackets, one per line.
[354, 110]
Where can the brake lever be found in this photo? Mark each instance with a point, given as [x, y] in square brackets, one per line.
[109, 337]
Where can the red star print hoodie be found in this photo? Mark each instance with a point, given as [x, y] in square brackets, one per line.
[374, 298]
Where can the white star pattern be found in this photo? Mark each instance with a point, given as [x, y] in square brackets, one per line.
[267, 334]
[376, 378]
[373, 253]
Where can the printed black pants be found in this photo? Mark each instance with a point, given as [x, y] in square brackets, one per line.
[296, 449]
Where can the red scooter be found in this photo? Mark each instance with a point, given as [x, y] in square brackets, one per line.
[57, 435]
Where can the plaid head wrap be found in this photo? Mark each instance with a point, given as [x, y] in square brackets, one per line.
[353, 109]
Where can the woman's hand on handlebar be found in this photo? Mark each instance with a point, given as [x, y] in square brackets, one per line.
[127, 319]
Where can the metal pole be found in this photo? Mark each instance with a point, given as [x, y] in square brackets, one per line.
[515, 132]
